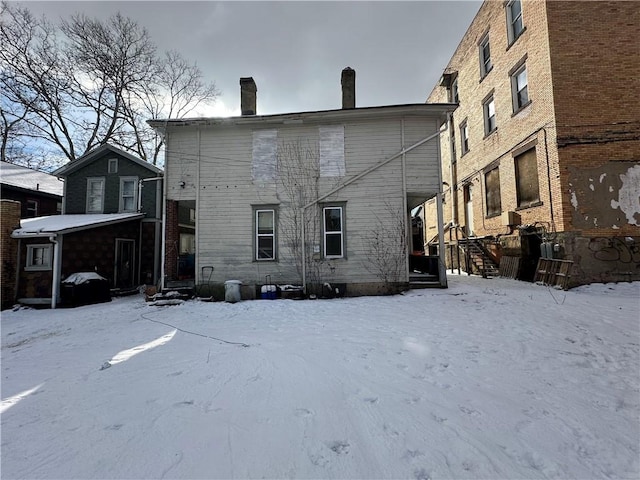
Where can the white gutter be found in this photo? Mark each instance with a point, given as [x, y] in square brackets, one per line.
[349, 182]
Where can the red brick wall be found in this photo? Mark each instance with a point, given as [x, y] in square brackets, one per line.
[172, 247]
[9, 220]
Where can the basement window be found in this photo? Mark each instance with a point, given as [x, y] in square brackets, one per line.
[38, 257]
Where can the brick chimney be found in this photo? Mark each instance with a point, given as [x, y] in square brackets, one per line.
[248, 96]
[348, 88]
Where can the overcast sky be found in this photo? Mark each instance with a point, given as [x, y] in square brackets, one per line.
[295, 51]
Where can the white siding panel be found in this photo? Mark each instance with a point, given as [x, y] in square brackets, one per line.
[181, 164]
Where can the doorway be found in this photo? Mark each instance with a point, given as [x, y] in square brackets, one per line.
[125, 263]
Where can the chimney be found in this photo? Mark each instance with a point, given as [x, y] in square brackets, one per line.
[248, 96]
[348, 88]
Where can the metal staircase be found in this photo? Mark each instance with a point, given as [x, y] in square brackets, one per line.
[478, 258]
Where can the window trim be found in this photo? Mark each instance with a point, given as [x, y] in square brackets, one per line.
[513, 75]
[341, 232]
[46, 257]
[518, 154]
[114, 162]
[256, 235]
[485, 114]
[32, 206]
[512, 36]
[464, 137]
[88, 202]
[454, 91]
[484, 68]
[121, 208]
[492, 168]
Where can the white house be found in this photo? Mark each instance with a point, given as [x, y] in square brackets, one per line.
[244, 193]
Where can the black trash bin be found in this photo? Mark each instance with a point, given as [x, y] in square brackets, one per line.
[84, 288]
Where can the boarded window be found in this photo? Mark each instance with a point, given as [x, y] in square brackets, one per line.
[332, 151]
[265, 150]
[527, 188]
[492, 189]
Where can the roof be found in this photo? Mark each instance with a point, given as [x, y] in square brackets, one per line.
[438, 110]
[99, 152]
[61, 224]
[29, 179]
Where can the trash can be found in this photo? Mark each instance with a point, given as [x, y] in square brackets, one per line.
[84, 288]
[232, 291]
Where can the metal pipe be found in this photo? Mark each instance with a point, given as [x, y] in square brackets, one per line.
[56, 271]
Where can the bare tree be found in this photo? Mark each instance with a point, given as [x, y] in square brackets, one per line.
[298, 186]
[89, 82]
[386, 244]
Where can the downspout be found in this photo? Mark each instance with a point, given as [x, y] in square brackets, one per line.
[163, 252]
[354, 179]
[407, 236]
[546, 151]
[197, 212]
[55, 286]
[18, 268]
[454, 174]
[442, 268]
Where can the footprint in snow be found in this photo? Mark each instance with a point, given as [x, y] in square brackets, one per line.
[339, 447]
[303, 412]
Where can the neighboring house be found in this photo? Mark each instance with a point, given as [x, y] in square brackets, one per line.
[24, 193]
[542, 155]
[341, 183]
[111, 224]
[38, 192]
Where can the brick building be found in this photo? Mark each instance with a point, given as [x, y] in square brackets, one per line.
[542, 155]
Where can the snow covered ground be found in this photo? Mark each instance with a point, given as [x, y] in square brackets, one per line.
[487, 379]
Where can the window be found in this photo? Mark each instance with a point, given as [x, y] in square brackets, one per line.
[95, 195]
[453, 92]
[489, 109]
[519, 88]
[32, 208]
[492, 192]
[485, 56]
[38, 257]
[264, 155]
[265, 234]
[333, 232]
[128, 194]
[187, 243]
[332, 151]
[527, 189]
[515, 26]
[464, 137]
[113, 165]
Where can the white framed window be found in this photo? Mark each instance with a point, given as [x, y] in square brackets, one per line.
[333, 226]
[38, 257]
[519, 88]
[489, 112]
[128, 194]
[485, 56]
[32, 208]
[515, 25]
[113, 165]
[464, 137]
[265, 234]
[95, 195]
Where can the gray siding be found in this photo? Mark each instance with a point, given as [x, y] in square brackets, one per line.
[76, 185]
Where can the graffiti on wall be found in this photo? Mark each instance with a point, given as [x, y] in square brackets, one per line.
[605, 197]
[616, 249]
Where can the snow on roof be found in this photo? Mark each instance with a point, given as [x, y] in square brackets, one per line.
[82, 277]
[23, 177]
[45, 226]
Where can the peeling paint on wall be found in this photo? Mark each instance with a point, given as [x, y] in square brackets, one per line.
[606, 196]
[629, 195]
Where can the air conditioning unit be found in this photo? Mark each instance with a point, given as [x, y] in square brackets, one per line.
[510, 219]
